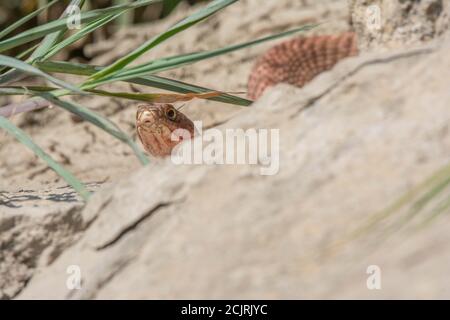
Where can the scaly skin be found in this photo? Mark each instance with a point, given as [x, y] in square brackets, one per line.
[155, 124]
[295, 61]
[299, 60]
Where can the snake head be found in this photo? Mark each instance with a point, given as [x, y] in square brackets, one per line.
[155, 126]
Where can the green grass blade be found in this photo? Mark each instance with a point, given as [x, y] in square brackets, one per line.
[92, 26]
[436, 212]
[23, 54]
[181, 60]
[20, 56]
[12, 91]
[125, 19]
[26, 141]
[10, 76]
[150, 81]
[15, 91]
[61, 24]
[200, 15]
[51, 39]
[23, 20]
[417, 197]
[182, 87]
[24, 90]
[99, 121]
[169, 6]
[24, 67]
[67, 67]
[424, 200]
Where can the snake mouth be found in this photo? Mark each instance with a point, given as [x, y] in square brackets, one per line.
[146, 116]
[149, 121]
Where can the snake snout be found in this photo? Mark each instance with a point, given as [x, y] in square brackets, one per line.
[146, 117]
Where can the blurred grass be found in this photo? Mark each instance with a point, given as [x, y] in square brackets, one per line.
[412, 212]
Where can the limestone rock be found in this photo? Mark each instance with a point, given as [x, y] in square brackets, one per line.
[35, 227]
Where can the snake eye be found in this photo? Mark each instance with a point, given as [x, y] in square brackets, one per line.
[171, 114]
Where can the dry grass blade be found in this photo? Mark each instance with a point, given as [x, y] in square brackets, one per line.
[158, 97]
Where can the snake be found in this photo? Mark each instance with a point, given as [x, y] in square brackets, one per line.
[296, 61]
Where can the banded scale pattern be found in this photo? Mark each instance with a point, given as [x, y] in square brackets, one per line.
[299, 60]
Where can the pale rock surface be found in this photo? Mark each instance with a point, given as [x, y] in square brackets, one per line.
[35, 227]
[352, 142]
[384, 24]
